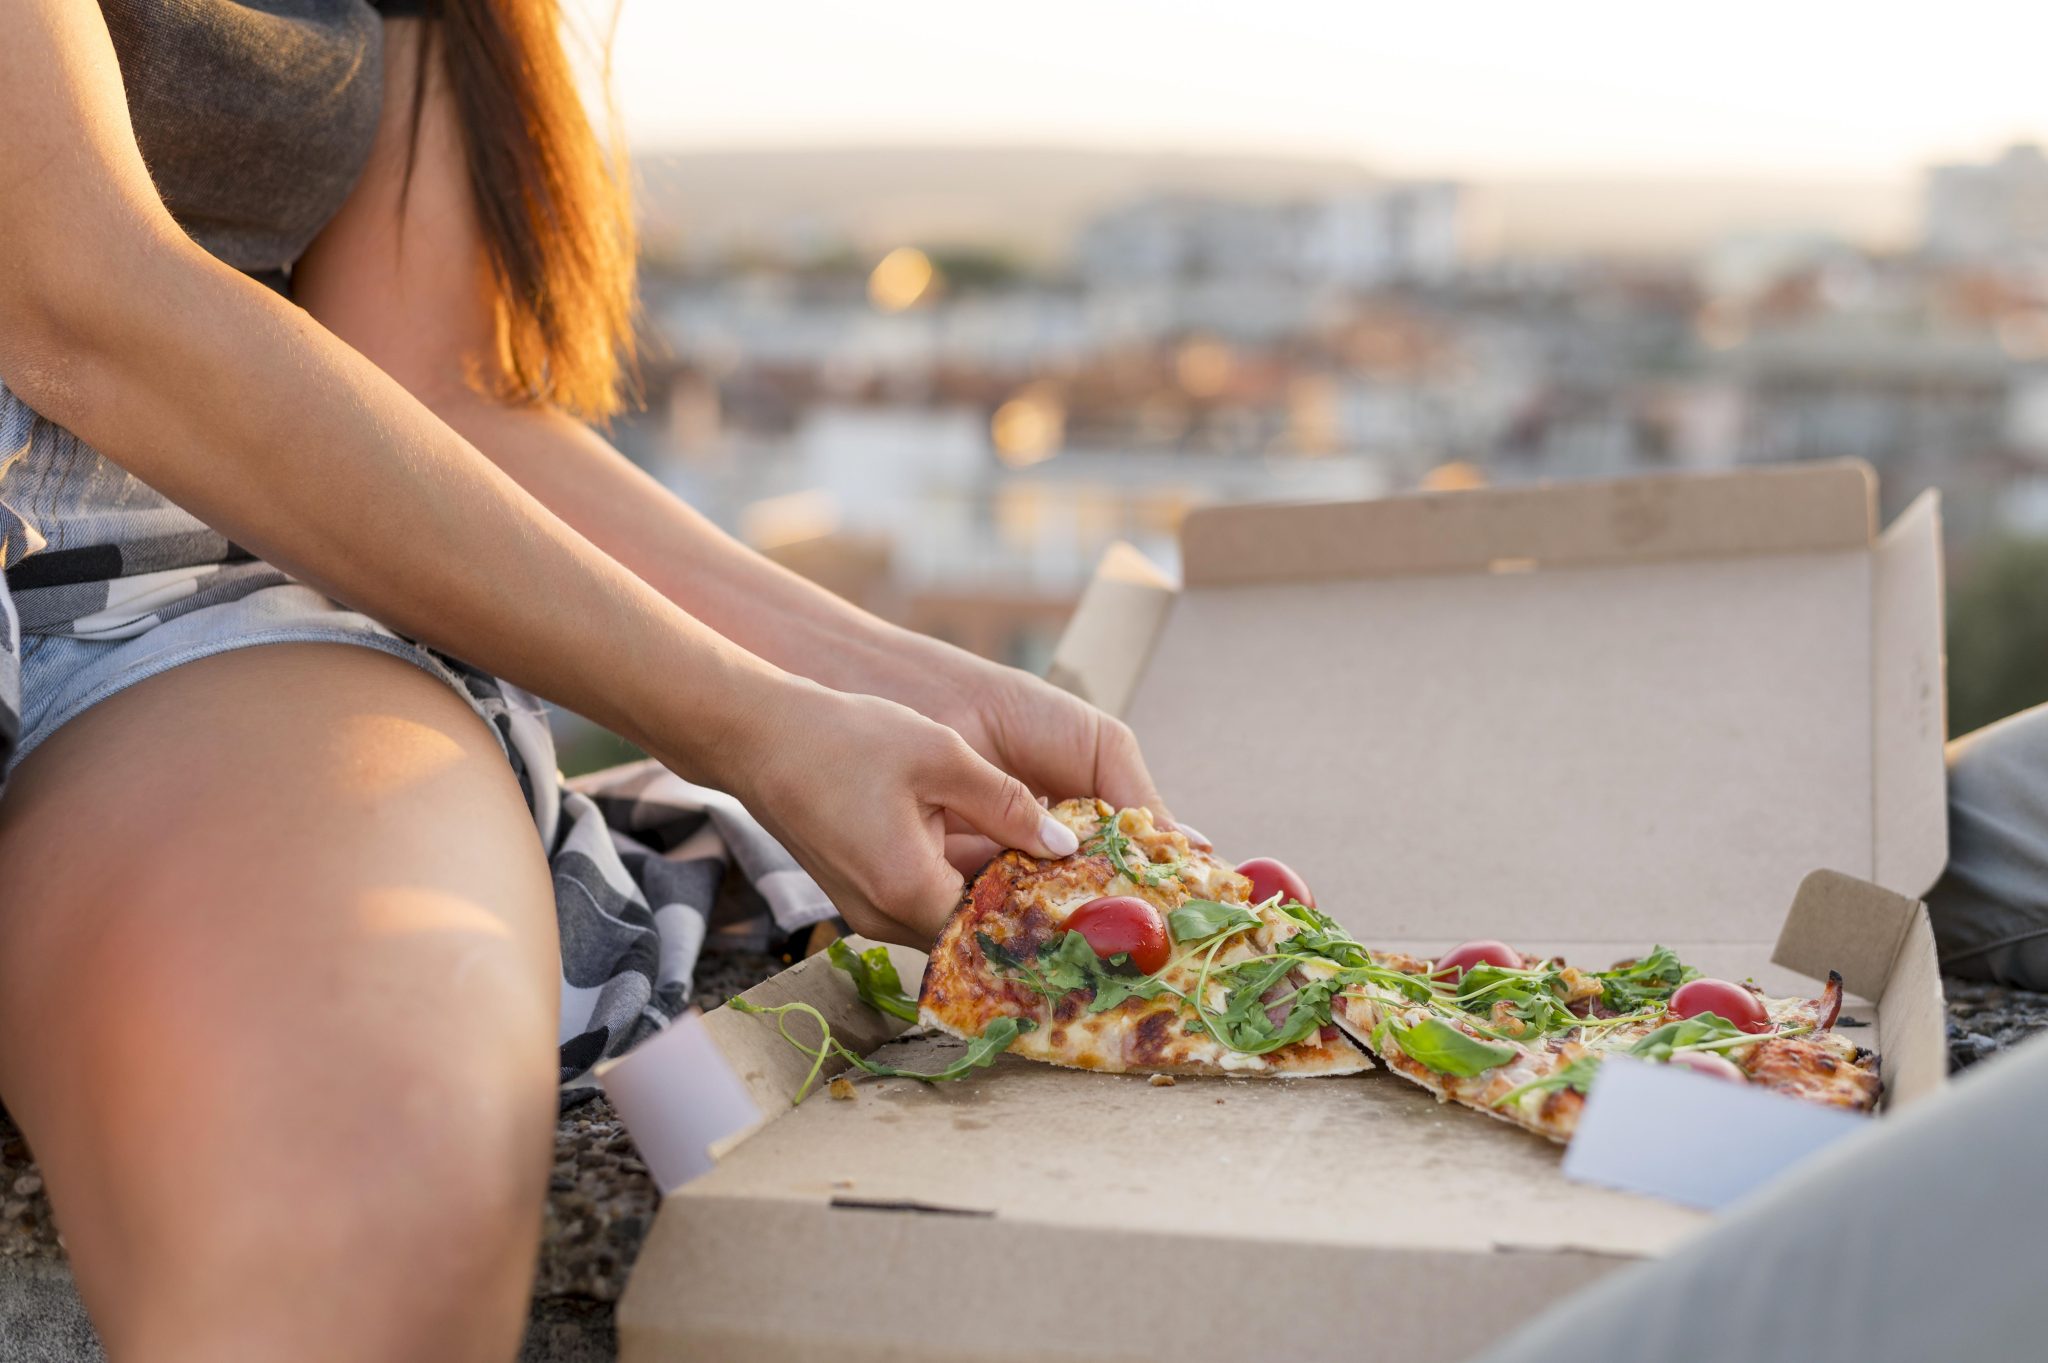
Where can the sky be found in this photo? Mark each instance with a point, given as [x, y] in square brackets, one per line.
[1572, 87]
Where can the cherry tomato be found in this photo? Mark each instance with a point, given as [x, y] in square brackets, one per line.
[1731, 1001]
[1485, 951]
[1124, 923]
[1270, 877]
[1706, 1062]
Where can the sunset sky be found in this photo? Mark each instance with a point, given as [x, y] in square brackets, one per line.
[1810, 87]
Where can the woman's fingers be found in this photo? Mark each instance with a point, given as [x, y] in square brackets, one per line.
[998, 805]
[1120, 773]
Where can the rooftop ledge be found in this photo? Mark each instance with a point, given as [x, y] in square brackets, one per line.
[601, 1202]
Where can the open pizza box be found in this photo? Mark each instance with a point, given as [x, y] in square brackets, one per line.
[1701, 711]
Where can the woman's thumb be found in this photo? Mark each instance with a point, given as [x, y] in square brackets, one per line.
[999, 806]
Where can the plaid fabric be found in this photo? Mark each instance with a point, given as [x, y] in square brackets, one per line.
[96, 561]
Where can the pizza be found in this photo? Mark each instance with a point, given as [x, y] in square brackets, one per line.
[1101, 957]
[1142, 953]
[1522, 1039]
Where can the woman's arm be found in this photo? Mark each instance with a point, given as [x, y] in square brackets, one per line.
[398, 274]
[244, 410]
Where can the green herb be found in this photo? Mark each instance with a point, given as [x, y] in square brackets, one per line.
[874, 979]
[1447, 1050]
[1070, 965]
[980, 1052]
[1691, 1033]
[1246, 1022]
[1576, 1075]
[1111, 841]
[1650, 980]
[1534, 998]
[1199, 918]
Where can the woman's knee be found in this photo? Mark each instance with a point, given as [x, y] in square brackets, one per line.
[244, 1184]
[284, 1043]
[1990, 909]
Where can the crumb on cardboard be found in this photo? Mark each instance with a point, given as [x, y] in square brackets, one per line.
[1161, 1081]
[841, 1088]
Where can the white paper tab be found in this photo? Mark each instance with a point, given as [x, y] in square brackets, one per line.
[679, 1099]
[1691, 1138]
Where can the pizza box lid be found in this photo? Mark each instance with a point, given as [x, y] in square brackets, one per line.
[1582, 718]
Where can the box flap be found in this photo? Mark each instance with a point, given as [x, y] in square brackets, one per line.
[1911, 816]
[771, 1068]
[1914, 1018]
[1107, 643]
[1578, 755]
[1840, 923]
[1792, 509]
[1581, 716]
[1883, 946]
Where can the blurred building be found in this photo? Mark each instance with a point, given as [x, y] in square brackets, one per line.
[1991, 211]
[1405, 232]
[953, 439]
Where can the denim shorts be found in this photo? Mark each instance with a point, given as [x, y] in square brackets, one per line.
[108, 582]
[63, 676]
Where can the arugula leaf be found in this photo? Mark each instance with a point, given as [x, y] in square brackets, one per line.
[874, 979]
[980, 1052]
[1447, 1050]
[1111, 841]
[998, 955]
[1535, 998]
[1578, 1075]
[1685, 1034]
[1248, 1019]
[1199, 918]
[1650, 980]
[1488, 978]
[1070, 965]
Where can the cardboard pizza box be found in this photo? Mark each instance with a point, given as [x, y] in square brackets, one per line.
[1585, 719]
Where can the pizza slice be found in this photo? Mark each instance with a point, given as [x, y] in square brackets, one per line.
[1522, 1039]
[1138, 954]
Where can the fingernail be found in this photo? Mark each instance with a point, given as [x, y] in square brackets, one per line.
[1195, 836]
[1057, 837]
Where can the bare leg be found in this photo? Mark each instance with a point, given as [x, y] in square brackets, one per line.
[277, 1011]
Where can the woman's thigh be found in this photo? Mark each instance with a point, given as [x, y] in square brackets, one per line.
[278, 997]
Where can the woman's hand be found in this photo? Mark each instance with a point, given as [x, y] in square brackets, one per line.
[862, 792]
[1054, 742]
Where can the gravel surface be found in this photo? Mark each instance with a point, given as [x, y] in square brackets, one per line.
[601, 1201]
[1984, 1019]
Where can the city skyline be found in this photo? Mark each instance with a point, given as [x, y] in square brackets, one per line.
[1818, 90]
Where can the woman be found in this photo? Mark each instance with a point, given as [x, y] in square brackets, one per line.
[277, 943]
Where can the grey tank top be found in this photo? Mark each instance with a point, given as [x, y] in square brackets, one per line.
[255, 118]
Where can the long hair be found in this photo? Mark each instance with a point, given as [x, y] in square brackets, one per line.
[552, 201]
